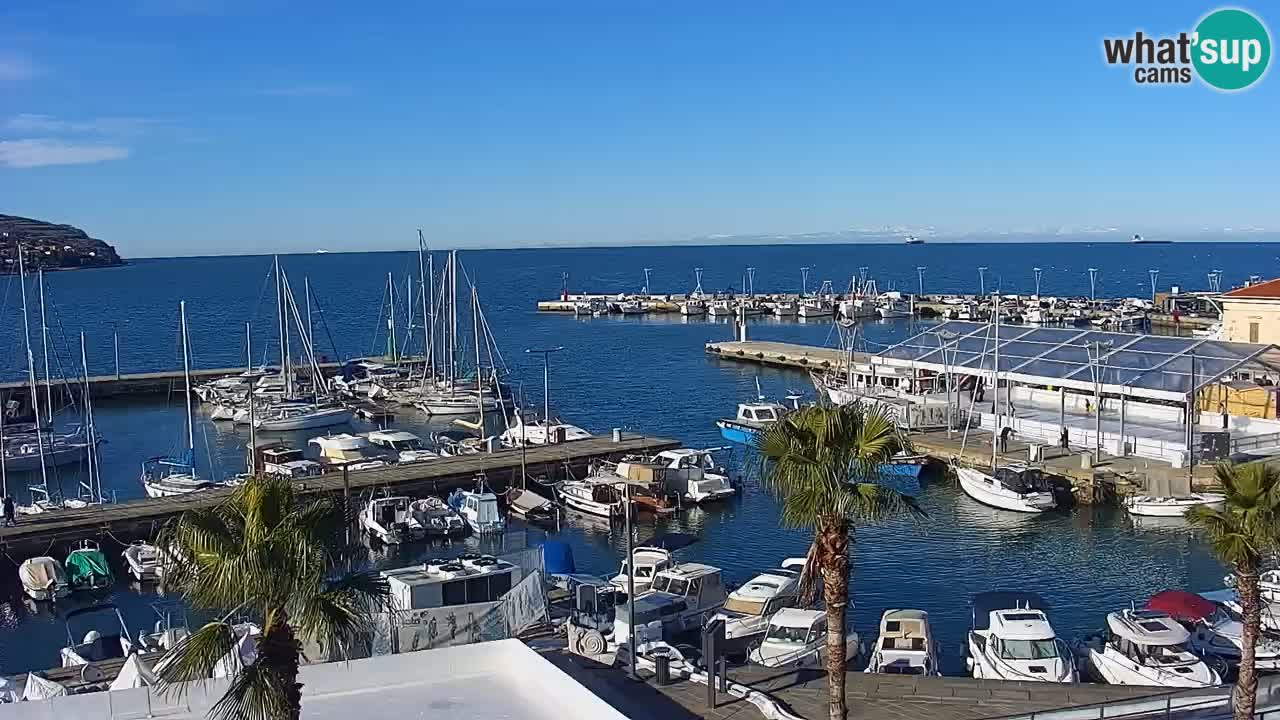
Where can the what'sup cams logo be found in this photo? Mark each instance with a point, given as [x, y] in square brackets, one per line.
[1229, 50]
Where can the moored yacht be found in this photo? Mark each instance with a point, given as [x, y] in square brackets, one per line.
[680, 597]
[390, 520]
[480, 509]
[1146, 647]
[694, 474]
[408, 448]
[650, 558]
[1010, 487]
[594, 496]
[144, 561]
[539, 432]
[747, 610]
[785, 308]
[167, 477]
[302, 416]
[751, 419]
[906, 645]
[353, 452]
[815, 307]
[1173, 506]
[797, 639]
[43, 578]
[1012, 639]
[436, 518]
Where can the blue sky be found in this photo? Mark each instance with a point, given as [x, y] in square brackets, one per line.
[182, 127]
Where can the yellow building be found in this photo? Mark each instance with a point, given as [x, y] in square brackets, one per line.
[1252, 314]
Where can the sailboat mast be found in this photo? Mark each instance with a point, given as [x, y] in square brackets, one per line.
[475, 321]
[391, 317]
[186, 380]
[306, 290]
[453, 315]
[95, 488]
[285, 370]
[31, 375]
[429, 307]
[408, 328]
[44, 342]
[995, 380]
[253, 430]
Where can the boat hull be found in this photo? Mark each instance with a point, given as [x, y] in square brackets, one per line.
[973, 484]
[1171, 507]
[309, 421]
[28, 462]
[587, 506]
[735, 433]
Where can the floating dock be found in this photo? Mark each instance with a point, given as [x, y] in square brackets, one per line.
[140, 519]
[779, 354]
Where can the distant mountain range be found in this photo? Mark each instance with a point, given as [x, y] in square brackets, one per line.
[50, 246]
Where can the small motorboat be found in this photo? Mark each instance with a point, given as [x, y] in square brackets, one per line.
[679, 600]
[747, 610]
[408, 448]
[650, 558]
[1012, 639]
[906, 645]
[390, 520]
[96, 644]
[785, 308]
[903, 465]
[530, 506]
[437, 518]
[539, 432]
[797, 639]
[752, 418]
[43, 579]
[1221, 631]
[169, 477]
[599, 497]
[480, 509]
[1010, 487]
[353, 452]
[87, 567]
[1174, 506]
[693, 474]
[144, 561]
[1146, 647]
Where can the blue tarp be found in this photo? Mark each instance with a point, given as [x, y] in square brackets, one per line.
[557, 558]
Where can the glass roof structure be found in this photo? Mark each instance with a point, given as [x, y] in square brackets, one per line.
[1146, 366]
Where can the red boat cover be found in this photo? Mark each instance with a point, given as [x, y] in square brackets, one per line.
[1181, 605]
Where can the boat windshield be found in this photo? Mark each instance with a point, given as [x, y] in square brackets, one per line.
[744, 606]
[412, 444]
[1028, 649]
[791, 635]
[668, 584]
[895, 668]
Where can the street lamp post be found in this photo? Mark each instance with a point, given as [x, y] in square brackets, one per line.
[1037, 272]
[546, 382]
[646, 280]
[1154, 275]
[804, 281]
[920, 275]
[982, 281]
[1093, 278]
[944, 338]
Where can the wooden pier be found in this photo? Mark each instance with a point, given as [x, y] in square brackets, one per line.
[779, 354]
[141, 519]
[133, 384]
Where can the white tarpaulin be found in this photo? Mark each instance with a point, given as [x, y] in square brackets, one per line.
[39, 688]
[133, 674]
[412, 630]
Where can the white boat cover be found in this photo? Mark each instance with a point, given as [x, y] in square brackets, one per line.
[243, 654]
[40, 573]
[133, 674]
[39, 688]
[527, 501]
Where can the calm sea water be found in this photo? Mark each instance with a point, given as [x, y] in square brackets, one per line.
[647, 374]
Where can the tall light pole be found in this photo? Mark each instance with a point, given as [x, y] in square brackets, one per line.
[1093, 280]
[944, 338]
[982, 280]
[751, 282]
[1037, 272]
[546, 381]
[1154, 275]
[1096, 352]
[804, 281]
[920, 275]
[646, 280]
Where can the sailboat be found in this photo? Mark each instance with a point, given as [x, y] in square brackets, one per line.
[1013, 486]
[169, 476]
[294, 414]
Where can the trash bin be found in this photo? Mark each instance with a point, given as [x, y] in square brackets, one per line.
[661, 665]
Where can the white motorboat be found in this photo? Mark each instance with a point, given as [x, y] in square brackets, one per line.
[480, 509]
[815, 307]
[693, 307]
[1146, 647]
[678, 601]
[1220, 630]
[144, 561]
[1012, 639]
[390, 520]
[890, 307]
[539, 432]
[43, 578]
[1175, 506]
[277, 459]
[631, 307]
[409, 448]
[721, 308]
[906, 645]
[285, 418]
[437, 518]
[650, 558]
[747, 610]
[694, 474]
[96, 645]
[530, 505]
[785, 308]
[751, 419]
[353, 452]
[1010, 487]
[594, 496]
[1037, 316]
[797, 639]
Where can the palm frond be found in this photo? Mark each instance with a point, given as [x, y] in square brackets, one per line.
[340, 612]
[257, 693]
[195, 656]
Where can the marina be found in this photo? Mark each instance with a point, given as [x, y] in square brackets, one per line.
[779, 364]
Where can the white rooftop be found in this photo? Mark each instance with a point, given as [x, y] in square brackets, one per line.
[500, 679]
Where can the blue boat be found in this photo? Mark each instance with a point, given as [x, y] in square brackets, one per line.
[752, 418]
[904, 466]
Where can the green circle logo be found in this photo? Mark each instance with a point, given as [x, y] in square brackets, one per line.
[1232, 49]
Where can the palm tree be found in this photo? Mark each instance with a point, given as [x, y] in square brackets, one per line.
[821, 463]
[274, 556]
[1241, 535]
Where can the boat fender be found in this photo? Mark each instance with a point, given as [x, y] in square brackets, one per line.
[591, 642]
